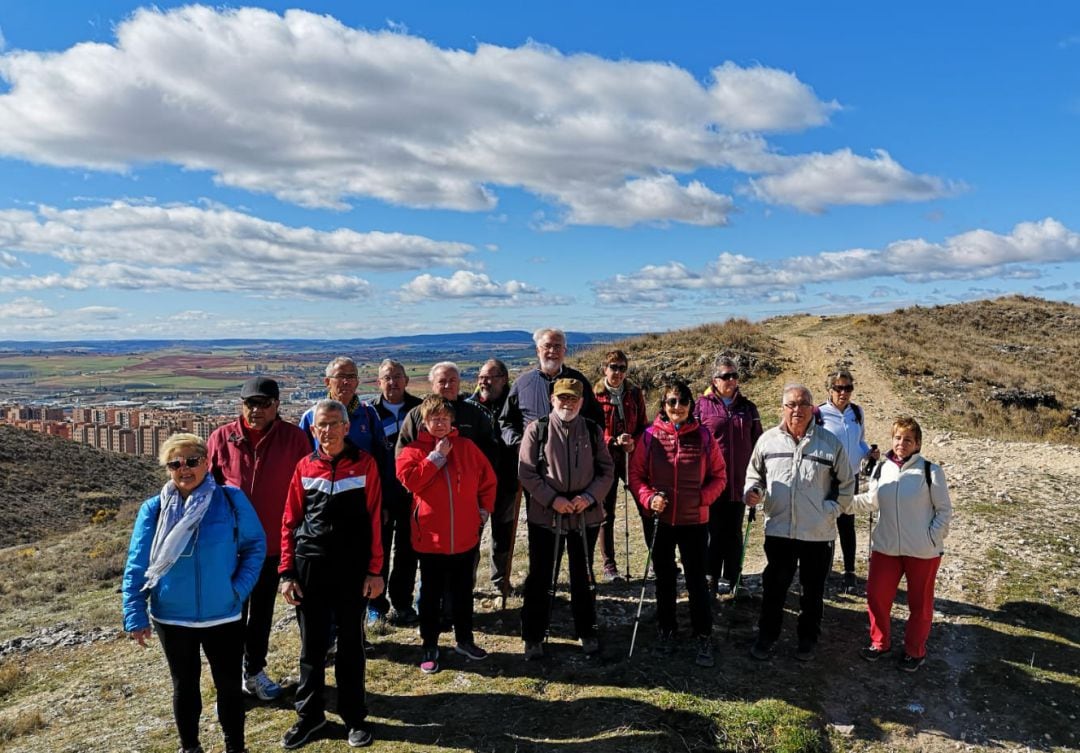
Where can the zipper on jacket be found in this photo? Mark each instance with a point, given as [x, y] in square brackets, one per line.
[675, 482]
[450, 492]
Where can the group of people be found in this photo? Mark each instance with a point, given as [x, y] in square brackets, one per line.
[340, 513]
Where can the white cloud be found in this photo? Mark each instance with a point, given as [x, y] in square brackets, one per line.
[976, 254]
[26, 308]
[815, 181]
[185, 247]
[9, 260]
[100, 312]
[474, 287]
[314, 112]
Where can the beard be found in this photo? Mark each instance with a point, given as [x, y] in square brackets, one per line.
[550, 365]
[567, 414]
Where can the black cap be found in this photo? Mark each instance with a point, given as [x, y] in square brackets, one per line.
[260, 387]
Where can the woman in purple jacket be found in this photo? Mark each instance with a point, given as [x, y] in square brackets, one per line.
[734, 423]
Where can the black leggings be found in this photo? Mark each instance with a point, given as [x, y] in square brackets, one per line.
[224, 649]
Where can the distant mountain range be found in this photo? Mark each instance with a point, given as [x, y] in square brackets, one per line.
[457, 341]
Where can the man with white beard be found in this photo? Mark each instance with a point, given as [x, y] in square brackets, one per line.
[565, 468]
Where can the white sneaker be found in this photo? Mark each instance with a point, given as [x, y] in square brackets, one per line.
[262, 687]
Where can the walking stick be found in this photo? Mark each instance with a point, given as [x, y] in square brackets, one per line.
[644, 580]
[588, 568]
[506, 584]
[742, 558]
[558, 521]
[626, 514]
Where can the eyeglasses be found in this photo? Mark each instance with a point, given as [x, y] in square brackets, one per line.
[324, 427]
[175, 465]
[843, 387]
[727, 376]
[796, 406]
[258, 402]
[671, 402]
[345, 377]
[617, 367]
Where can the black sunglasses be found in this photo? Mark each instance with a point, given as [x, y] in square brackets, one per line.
[258, 402]
[843, 387]
[175, 465]
[671, 402]
[727, 375]
[617, 366]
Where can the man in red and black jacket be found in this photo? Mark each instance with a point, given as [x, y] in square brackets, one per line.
[257, 453]
[331, 557]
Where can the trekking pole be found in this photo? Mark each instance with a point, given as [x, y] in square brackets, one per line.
[506, 585]
[644, 580]
[588, 566]
[626, 514]
[742, 557]
[558, 521]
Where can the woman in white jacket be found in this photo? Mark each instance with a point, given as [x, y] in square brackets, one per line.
[914, 511]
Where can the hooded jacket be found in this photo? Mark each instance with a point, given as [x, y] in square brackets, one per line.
[684, 463]
[448, 493]
[796, 476]
[913, 516]
[566, 466]
[735, 428]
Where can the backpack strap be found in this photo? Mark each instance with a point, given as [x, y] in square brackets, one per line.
[926, 472]
[876, 475]
[858, 413]
[541, 440]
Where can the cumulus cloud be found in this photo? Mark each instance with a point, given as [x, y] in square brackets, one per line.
[209, 249]
[976, 254]
[9, 260]
[474, 287]
[815, 181]
[314, 112]
[26, 308]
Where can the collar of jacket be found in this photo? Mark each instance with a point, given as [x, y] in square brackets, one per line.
[601, 388]
[666, 426]
[349, 452]
[427, 438]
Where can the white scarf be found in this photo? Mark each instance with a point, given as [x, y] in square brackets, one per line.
[177, 521]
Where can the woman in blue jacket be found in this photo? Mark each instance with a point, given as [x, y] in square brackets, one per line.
[195, 553]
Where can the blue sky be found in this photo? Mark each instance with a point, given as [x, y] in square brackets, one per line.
[360, 169]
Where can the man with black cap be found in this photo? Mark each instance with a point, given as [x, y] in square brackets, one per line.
[258, 453]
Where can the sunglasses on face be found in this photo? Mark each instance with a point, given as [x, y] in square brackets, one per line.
[258, 402]
[617, 366]
[672, 402]
[175, 465]
[843, 387]
[727, 376]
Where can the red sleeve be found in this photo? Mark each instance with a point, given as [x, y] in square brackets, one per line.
[639, 481]
[290, 521]
[714, 473]
[373, 485]
[414, 470]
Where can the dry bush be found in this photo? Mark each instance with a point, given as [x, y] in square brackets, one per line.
[22, 723]
[11, 676]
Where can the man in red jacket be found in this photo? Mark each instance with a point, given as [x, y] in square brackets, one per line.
[257, 453]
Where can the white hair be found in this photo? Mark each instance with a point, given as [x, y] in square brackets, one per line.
[538, 335]
[339, 361]
[799, 386]
[443, 365]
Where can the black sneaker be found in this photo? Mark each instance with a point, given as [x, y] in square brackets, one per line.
[722, 587]
[850, 583]
[302, 732]
[805, 651]
[665, 642]
[590, 645]
[360, 736]
[534, 651]
[762, 650]
[910, 663]
[704, 656]
[402, 618]
[873, 653]
[471, 650]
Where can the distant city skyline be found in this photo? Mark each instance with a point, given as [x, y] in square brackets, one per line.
[356, 170]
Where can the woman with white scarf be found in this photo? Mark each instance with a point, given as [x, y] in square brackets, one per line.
[195, 554]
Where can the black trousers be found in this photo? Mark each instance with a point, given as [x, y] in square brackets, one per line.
[536, 611]
[693, 542]
[224, 647]
[446, 576]
[845, 525]
[611, 501]
[331, 597]
[726, 539]
[502, 529]
[258, 617]
[783, 556]
[400, 576]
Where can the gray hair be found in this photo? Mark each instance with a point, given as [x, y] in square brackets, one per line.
[331, 405]
[722, 362]
[498, 365]
[339, 361]
[800, 387]
[539, 334]
[391, 364]
[837, 374]
[443, 365]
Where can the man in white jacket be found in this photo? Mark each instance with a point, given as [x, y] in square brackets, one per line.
[801, 474]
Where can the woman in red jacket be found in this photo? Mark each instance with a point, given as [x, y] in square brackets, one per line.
[675, 472]
[453, 487]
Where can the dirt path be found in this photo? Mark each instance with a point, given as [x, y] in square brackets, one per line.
[992, 484]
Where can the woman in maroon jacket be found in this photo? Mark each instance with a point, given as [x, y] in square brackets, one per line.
[675, 472]
[453, 487]
[735, 424]
[624, 420]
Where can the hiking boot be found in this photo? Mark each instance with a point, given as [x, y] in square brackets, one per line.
[704, 656]
[590, 645]
[429, 663]
[471, 650]
[303, 732]
[850, 583]
[402, 618]
[262, 687]
[534, 651]
[360, 736]
[665, 642]
[872, 653]
[722, 587]
[762, 650]
[611, 574]
[805, 651]
[910, 663]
